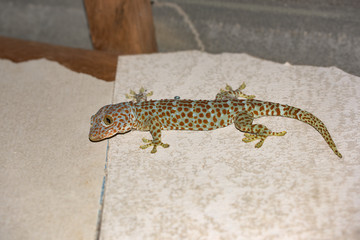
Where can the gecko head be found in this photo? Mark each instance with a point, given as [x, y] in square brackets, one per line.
[110, 120]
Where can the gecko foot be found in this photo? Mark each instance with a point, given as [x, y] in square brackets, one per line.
[151, 143]
[229, 93]
[252, 137]
[139, 97]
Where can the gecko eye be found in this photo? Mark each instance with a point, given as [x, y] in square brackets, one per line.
[108, 120]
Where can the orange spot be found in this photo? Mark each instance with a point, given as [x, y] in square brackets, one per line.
[278, 111]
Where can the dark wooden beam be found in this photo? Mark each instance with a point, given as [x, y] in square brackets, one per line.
[99, 64]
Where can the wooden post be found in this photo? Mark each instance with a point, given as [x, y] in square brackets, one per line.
[121, 26]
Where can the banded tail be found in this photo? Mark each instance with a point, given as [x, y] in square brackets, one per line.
[277, 109]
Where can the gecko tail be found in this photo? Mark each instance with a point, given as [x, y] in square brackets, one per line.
[313, 121]
[277, 109]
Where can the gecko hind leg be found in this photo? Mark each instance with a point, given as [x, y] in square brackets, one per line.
[244, 123]
[249, 137]
[229, 93]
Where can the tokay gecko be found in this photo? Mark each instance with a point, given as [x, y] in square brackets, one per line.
[197, 115]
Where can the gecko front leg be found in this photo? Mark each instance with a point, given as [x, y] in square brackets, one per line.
[139, 97]
[229, 93]
[155, 131]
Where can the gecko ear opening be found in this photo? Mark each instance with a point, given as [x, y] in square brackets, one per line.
[107, 121]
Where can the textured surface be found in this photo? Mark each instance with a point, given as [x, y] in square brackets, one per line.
[50, 173]
[211, 185]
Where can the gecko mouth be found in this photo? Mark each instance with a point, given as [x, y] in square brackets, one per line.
[94, 138]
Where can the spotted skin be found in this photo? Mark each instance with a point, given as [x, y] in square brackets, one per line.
[197, 115]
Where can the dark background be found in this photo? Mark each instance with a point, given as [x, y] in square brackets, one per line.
[304, 32]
